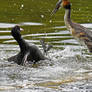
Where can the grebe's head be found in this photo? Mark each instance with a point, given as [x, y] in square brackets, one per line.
[62, 3]
[66, 4]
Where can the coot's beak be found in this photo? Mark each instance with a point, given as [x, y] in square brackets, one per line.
[57, 7]
[21, 29]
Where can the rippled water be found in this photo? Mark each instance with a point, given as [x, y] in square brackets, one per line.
[70, 68]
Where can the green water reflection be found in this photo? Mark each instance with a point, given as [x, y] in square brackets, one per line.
[15, 11]
[73, 67]
[18, 11]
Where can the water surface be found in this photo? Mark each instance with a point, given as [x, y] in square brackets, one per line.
[70, 68]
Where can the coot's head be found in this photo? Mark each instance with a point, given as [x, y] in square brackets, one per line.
[16, 31]
[17, 28]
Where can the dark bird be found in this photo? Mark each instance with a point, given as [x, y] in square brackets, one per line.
[28, 53]
[79, 32]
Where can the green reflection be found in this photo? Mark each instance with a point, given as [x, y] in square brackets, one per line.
[18, 11]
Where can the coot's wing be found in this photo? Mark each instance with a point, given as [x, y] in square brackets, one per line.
[13, 58]
[24, 60]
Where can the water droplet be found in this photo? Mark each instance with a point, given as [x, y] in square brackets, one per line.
[79, 9]
[22, 6]
[50, 21]
[42, 16]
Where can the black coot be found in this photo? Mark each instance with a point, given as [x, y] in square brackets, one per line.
[27, 52]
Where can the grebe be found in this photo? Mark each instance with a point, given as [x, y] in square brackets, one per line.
[79, 32]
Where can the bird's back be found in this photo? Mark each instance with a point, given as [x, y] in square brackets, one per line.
[82, 34]
[36, 53]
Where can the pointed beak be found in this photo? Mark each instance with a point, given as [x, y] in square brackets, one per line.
[21, 29]
[57, 7]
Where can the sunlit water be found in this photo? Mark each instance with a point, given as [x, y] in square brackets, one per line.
[70, 68]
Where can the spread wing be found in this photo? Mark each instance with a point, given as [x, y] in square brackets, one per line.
[24, 60]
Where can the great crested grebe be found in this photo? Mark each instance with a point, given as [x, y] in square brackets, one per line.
[79, 32]
[27, 52]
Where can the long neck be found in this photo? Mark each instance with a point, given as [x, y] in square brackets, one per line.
[21, 42]
[67, 18]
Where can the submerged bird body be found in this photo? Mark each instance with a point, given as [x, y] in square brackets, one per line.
[79, 32]
[30, 53]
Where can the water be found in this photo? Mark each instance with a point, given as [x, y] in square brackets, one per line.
[70, 68]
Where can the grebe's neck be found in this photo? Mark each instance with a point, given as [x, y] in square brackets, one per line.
[67, 18]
